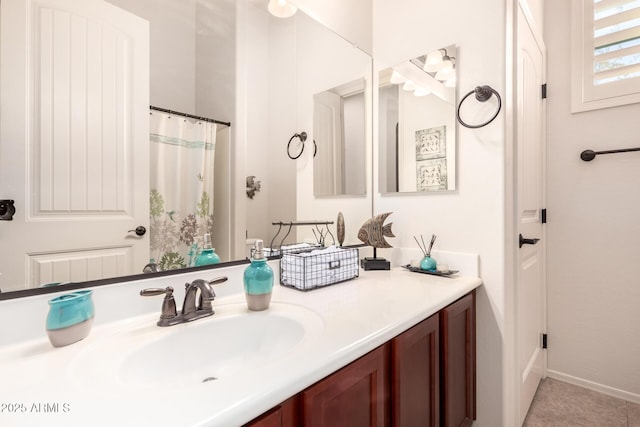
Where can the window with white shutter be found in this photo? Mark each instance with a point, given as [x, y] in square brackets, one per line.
[605, 53]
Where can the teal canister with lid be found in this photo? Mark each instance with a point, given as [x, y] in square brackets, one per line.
[258, 280]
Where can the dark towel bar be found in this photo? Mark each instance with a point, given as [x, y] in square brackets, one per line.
[588, 155]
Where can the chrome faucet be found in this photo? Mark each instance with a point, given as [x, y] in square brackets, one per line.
[169, 315]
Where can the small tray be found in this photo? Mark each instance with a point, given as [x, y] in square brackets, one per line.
[446, 273]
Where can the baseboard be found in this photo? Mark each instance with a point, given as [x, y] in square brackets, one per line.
[610, 391]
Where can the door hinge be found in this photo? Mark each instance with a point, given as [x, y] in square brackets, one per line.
[544, 91]
[543, 215]
[544, 340]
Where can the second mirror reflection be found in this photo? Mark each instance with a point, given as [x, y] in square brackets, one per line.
[339, 117]
[417, 125]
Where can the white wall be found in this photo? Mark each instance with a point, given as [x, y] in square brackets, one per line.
[173, 51]
[593, 231]
[215, 76]
[257, 110]
[351, 19]
[472, 218]
[355, 144]
[270, 120]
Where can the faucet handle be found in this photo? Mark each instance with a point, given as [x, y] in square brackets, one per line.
[169, 310]
[218, 280]
[150, 292]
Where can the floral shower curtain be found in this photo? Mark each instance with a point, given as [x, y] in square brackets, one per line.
[181, 208]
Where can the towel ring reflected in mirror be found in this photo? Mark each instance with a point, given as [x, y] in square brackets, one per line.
[482, 94]
[303, 137]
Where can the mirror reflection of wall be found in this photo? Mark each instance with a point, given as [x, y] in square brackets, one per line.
[189, 44]
[325, 60]
[300, 58]
[417, 126]
[339, 134]
[223, 59]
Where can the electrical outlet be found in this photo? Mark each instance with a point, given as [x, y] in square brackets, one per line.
[7, 210]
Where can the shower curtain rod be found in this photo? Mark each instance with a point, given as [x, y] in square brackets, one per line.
[191, 116]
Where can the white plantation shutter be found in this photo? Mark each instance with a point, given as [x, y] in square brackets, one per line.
[605, 54]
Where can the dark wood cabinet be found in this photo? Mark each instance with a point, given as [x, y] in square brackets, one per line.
[458, 342]
[283, 415]
[415, 376]
[355, 396]
[423, 377]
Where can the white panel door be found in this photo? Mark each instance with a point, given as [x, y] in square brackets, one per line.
[327, 133]
[530, 198]
[74, 135]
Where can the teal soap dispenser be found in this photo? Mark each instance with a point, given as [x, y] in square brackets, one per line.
[258, 280]
[208, 255]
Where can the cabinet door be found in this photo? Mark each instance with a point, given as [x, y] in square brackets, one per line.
[415, 375]
[355, 396]
[283, 415]
[458, 341]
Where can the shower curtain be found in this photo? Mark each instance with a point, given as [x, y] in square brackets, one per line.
[181, 201]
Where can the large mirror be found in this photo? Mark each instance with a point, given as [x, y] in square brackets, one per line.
[417, 125]
[215, 59]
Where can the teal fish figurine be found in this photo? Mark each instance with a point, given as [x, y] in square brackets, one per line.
[373, 232]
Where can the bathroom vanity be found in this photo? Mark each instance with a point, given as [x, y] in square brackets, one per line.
[383, 349]
[424, 376]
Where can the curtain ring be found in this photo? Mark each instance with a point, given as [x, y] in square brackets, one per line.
[315, 148]
[483, 93]
[303, 138]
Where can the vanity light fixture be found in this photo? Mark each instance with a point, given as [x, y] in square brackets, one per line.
[397, 78]
[409, 85]
[421, 91]
[434, 60]
[451, 81]
[439, 62]
[448, 69]
[281, 8]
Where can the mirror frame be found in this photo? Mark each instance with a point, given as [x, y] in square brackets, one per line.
[113, 280]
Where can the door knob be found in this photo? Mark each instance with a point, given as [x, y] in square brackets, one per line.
[7, 210]
[523, 241]
[140, 230]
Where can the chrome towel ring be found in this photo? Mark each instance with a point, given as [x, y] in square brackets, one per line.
[483, 94]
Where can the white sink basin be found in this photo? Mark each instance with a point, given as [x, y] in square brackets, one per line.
[232, 342]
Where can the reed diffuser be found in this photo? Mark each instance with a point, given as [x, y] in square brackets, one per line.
[427, 262]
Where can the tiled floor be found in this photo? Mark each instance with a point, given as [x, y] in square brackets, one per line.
[558, 404]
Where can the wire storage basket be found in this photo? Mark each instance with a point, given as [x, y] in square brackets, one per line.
[291, 249]
[318, 268]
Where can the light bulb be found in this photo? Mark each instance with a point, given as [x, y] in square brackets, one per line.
[397, 78]
[421, 91]
[433, 61]
[281, 8]
[409, 85]
[447, 71]
[447, 65]
[450, 82]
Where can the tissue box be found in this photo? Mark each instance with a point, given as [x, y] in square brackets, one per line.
[318, 268]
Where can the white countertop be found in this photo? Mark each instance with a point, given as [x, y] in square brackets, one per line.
[357, 316]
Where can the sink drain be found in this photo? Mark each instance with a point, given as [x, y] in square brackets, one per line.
[206, 380]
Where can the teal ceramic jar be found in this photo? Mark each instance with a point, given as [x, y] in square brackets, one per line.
[428, 264]
[70, 317]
